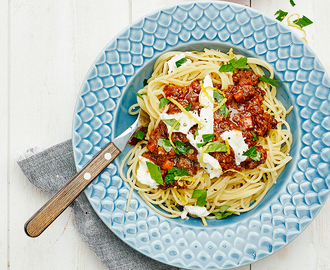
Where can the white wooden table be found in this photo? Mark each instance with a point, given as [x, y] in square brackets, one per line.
[46, 48]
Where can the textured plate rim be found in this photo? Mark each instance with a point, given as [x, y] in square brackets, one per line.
[202, 5]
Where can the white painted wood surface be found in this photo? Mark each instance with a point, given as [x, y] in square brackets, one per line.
[46, 48]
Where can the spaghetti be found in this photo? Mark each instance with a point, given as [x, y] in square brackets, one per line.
[217, 138]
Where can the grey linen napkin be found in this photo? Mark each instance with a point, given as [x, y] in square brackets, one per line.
[49, 170]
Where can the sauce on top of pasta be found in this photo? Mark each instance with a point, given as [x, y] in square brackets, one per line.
[242, 111]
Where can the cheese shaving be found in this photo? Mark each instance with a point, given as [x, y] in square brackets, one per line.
[184, 110]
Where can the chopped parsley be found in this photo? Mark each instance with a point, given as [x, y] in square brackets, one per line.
[140, 95]
[145, 82]
[174, 172]
[226, 68]
[155, 173]
[254, 136]
[206, 138]
[302, 22]
[188, 107]
[217, 96]
[196, 132]
[163, 102]
[166, 144]
[180, 62]
[240, 63]
[292, 3]
[224, 110]
[252, 153]
[222, 213]
[200, 195]
[266, 79]
[139, 135]
[216, 147]
[172, 122]
[181, 148]
[281, 15]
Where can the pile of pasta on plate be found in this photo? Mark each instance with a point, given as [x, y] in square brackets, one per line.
[217, 138]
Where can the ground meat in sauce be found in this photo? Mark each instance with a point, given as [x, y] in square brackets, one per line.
[244, 99]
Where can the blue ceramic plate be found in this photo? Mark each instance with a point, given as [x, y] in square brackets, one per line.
[101, 114]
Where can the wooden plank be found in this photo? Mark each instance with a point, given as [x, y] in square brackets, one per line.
[53, 45]
[141, 8]
[4, 26]
[310, 250]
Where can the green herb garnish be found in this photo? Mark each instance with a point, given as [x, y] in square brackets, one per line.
[254, 136]
[172, 122]
[181, 148]
[140, 95]
[145, 82]
[224, 110]
[206, 138]
[217, 96]
[174, 172]
[166, 144]
[222, 213]
[196, 132]
[266, 79]
[200, 195]
[292, 3]
[163, 102]
[281, 15]
[252, 153]
[216, 147]
[155, 173]
[226, 68]
[188, 107]
[139, 135]
[240, 63]
[302, 22]
[180, 62]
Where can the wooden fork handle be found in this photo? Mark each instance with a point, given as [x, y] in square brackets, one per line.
[70, 191]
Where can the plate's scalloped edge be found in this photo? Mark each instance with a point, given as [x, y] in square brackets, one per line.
[243, 27]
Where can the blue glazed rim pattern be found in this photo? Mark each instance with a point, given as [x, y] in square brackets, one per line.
[101, 114]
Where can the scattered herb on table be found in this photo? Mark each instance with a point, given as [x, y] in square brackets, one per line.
[281, 15]
[302, 22]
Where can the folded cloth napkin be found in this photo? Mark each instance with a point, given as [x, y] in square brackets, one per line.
[49, 170]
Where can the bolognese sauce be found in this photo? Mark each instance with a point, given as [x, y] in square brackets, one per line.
[245, 113]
